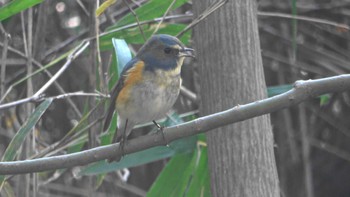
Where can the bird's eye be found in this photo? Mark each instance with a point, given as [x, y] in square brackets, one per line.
[167, 50]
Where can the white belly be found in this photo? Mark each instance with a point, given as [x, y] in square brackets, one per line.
[151, 100]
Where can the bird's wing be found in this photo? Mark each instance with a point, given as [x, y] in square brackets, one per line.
[116, 90]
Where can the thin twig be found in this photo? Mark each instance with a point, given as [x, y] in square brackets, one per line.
[164, 15]
[137, 19]
[330, 149]
[15, 103]
[142, 23]
[79, 93]
[4, 60]
[304, 18]
[41, 68]
[82, 6]
[30, 145]
[61, 96]
[37, 96]
[99, 61]
[78, 50]
[212, 8]
[189, 94]
[303, 90]
[64, 43]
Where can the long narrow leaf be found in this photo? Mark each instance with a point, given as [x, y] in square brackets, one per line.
[276, 90]
[15, 144]
[15, 7]
[133, 36]
[122, 53]
[175, 176]
[184, 175]
[150, 10]
[18, 139]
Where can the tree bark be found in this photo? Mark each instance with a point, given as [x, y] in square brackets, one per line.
[241, 156]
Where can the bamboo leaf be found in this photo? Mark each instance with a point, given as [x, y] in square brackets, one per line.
[150, 10]
[104, 6]
[276, 90]
[133, 36]
[20, 136]
[16, 6]
[185, 175]
[122, 53]
[15, 144]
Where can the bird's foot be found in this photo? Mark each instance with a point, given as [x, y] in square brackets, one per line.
[160, 129]
[120, 154]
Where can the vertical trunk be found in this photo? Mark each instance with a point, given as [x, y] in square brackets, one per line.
[241, 156]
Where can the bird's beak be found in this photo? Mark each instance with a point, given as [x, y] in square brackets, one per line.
[186, 52]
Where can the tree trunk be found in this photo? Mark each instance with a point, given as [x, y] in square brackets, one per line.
[241, 156]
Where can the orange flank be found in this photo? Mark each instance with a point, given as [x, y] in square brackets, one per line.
[133, 76]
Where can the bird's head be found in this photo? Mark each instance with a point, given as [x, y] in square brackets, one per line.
[164, 52]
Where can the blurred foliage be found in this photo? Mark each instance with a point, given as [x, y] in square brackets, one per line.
[16, 6]
[291, 50]
[184, 175]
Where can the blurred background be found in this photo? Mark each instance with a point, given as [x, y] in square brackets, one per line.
[311, 140]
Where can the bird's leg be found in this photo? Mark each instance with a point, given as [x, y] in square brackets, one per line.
[122, 142]
[160, 129]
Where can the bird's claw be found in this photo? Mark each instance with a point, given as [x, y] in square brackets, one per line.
[160, 129]
[121, 154]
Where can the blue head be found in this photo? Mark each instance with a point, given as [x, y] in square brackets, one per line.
[163, 52]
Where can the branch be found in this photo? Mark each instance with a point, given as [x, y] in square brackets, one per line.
[302, 91]
[211, 9]
[137, 19]
[164, 15]
[38, 95]
[304, 18]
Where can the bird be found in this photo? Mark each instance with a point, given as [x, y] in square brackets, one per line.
[148, 86]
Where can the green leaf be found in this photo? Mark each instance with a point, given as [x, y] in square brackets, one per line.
[324, 99]
[15, 144]
[104, 6]
[16, 6]
[122, 53]
[133, 36]
[200, 184]
[20, 136]
[276, 90]
[174, 177]
[127, 161]
[139, 158]
[148, 11]
[184, 175]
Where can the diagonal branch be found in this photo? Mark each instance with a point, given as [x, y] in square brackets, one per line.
[38, 95]
[137, 19]
[302, 91]
[304, 18]
[211, 9]
[164, 15]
